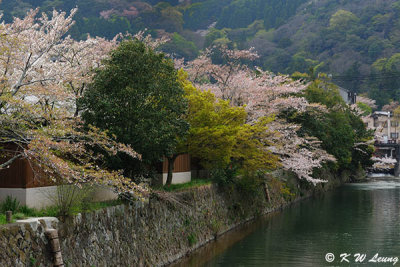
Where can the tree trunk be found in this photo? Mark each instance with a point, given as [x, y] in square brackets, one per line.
[266, 192]
[171, 161]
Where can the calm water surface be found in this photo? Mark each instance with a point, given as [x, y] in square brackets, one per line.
[356, 218]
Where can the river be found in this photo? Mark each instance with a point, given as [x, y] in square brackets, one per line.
[359, 218]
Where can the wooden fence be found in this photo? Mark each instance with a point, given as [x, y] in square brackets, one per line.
[20, 173]
[182, 164]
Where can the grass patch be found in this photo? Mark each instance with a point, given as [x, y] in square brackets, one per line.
[192, 239]
[191, 184]
[25, 212]
[92, 206]
[2, 219]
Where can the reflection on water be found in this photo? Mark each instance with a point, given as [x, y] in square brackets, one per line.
[356, 218]
[374, 183]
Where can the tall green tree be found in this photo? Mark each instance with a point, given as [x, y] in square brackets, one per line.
[342, 132]
[137, 98]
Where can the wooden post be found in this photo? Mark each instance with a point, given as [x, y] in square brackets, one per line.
[52, 236]
[8, 216]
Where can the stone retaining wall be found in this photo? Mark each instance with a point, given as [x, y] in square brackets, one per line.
[143, 234]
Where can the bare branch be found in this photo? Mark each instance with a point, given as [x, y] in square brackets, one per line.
[10, 161]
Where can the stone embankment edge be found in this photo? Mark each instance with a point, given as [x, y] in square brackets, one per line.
[180, 256]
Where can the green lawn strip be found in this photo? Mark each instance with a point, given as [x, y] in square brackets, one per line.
[25, 212]
[179, 187]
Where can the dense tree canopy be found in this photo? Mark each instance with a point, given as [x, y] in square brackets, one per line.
[219, 134]
[342, 132]
[137, 98]
[239, 115]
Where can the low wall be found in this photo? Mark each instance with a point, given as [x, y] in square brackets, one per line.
[40, 197]
[179, 177]
[25, 244]
[37, 197]
[144, 234]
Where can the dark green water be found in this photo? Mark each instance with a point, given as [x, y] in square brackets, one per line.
[356, 218]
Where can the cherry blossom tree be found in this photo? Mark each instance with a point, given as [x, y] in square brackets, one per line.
[298, 154]
[26, 62]
[367, 101]
[383, 163]
[263, 94]
[78, 61]
[43, 73]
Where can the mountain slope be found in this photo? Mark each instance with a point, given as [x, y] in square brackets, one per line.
[356, 41]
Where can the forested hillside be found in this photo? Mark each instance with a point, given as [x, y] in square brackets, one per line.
[357, 41]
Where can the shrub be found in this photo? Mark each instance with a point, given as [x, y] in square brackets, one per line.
[286, 193]
[10, 204]
[68, 197]
[192, 239]
[224, 177]
[27, 211]
[249, 183]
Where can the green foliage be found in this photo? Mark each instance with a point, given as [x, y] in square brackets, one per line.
[343, 134]
[137, 98]
[33, 261]
[240, 13]
[367, 110]
[21, 211]
[241, 36]
[300, 62]
[19, 216]
[388, 87]
[348, 38]
[192, 239]
[187, 222]
[10, 204]
[3, 219]
[244, 182]
[278, 12]
[171, 19]
[224, 177]
[184, 186]
[200, 14]
[96, 26]
[24, 212]
[181, 47]
[249, 183]
[92, 206]
[213, 35]
[300, 76]
[215, 127]
[67, 197]
[219, 136]
[215, 226]
[51, 211]
[243, 188]
[342, 20]
[325, 93]
[286, 193]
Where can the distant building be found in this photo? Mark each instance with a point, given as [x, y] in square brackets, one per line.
[349, 97]
[386, 128]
